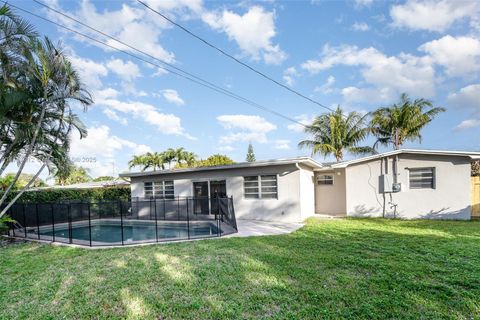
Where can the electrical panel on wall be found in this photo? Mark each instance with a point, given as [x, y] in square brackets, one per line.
[387, 185]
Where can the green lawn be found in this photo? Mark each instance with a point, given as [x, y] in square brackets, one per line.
[328, 269]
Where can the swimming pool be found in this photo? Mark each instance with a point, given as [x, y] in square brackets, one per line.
[113, 223]
[112, 232]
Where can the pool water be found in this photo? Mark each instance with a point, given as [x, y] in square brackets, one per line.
[111, 233]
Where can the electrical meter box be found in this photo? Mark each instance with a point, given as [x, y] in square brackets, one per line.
[387, 185]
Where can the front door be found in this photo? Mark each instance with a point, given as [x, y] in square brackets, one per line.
[200, 195]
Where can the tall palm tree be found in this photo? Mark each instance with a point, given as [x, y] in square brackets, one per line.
[40, 124]
[334, 134]
[402, 121]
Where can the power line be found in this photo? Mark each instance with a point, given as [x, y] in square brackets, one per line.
[185, 75]
[264, 75]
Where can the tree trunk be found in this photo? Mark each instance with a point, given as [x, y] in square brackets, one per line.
[29, 151]
[22, 191]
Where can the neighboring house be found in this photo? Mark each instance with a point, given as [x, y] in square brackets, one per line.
[402, 183]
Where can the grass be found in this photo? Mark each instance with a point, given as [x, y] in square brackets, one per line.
[328, 269]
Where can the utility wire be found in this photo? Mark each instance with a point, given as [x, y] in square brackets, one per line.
[186, 75]
[262, 74]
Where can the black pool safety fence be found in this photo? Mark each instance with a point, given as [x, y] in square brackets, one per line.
[113, 223]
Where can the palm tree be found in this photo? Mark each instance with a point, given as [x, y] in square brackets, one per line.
[169, 156]
[402, 121]
[40, 124]
[334, 133]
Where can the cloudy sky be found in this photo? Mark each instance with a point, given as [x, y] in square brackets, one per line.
[360, 54]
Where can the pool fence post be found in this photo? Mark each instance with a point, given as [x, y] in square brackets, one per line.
[69, 216]
[216, 217]
[24, 220]
[156, 222]
[164, 209]
[89, 224]
[188, 222]
[53, 222]
[38, 224]
[121, 223]
[178, 208]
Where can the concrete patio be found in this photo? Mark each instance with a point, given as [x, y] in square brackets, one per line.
[248, 228]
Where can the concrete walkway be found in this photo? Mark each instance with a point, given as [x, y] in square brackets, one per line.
[248, 228]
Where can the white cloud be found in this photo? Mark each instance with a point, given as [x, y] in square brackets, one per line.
[282, 144]
[100, 148]
[395, 74]
[460, 56]
[289, 75]
[360, 26]
[252, 31]
[172, 96]
[167, 124]
[304, 119]
[370, 95]
[107, 93]
[114, 116]
[467, 97]
[127, 71]
[363, 3]
[432, 15]
[90, 71]
[135, 26]
[171, 5]
[245, 128]
[467, 124]
[327, 86]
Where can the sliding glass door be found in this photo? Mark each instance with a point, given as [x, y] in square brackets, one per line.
[212, 190]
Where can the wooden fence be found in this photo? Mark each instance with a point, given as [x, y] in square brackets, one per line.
[475, 197]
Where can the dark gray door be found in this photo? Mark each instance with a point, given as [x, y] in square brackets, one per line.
[200, 195]
[218, 191]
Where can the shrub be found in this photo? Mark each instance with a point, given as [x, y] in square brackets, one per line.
[58, 195]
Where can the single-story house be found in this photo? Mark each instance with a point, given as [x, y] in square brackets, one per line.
[402, 183]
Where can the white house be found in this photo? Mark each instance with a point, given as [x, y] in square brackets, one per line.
[403, 183]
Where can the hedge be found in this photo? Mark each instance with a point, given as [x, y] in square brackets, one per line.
[62, 195]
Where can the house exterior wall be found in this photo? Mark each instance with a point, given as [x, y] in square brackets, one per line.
[307, 192]
[450, 199]
[287, 207]
[331, 199]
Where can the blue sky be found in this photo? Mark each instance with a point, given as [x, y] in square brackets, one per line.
[359, 54]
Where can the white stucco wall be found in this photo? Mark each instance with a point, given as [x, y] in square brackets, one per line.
[331, 199]
[450, 199]
[307, 192]
[287, 207]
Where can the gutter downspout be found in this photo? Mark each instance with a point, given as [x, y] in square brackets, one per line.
[300, 187]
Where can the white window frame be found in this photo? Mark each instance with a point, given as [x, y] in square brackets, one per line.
[259, 187]
[159, 190]
[320, 180]
[434, 178]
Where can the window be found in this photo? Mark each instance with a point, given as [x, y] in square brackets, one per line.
[260, 187]
[159, 189]
[422, 178]
[325, 179]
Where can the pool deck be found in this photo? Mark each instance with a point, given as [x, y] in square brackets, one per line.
[249, 228]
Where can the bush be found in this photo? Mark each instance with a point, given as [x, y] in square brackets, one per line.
[3, 224]
[59, 195]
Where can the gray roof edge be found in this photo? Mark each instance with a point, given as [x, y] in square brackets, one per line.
[471, 155]
[303, 160]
